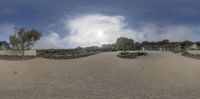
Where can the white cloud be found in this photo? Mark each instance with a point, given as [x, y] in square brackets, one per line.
[172, 32]
[176, 33]
[88, 30]
[6, 30]
[97, 29]
[52, 40]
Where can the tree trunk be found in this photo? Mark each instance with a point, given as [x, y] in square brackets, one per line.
[23, 53]
[23, 49]
[125, 50]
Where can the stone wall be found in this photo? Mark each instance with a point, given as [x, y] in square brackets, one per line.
[16, 52]
[194, 51]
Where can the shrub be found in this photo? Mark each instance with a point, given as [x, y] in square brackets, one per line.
[63, 53]
[129, 55]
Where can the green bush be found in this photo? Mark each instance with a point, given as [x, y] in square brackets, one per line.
[63, 53]
[130, 55]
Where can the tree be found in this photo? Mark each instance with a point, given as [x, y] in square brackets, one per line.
[198, 43]
[145, 43]
[185, 44]
[91, 48]
[124, 43]
[137, 46]
[108, 47]
[24, 40]
[165, 41]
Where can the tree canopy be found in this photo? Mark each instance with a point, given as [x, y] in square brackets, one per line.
[24, 40]
[124, 44]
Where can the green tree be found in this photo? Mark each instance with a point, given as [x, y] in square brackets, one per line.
[108, 47]
[124, 44]
[186, 44]
[165, 41]
[198, 43]
[24, 40]
[137, 46]
[145, 43]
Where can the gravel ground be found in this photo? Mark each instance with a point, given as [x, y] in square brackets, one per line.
[102, 76]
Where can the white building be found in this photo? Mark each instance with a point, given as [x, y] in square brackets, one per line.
[4, 45]
[194, 47]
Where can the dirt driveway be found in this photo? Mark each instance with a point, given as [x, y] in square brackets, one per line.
[102, 76]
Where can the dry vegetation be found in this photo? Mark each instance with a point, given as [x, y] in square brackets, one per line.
[64, 53]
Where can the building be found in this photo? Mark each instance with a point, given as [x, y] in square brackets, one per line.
[175, 47]
[170, 46]
[198, 45]
[4, 45]
[193, 46]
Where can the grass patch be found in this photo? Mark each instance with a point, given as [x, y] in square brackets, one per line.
[131, 55]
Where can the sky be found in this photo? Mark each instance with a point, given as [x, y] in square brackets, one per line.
[72, 23]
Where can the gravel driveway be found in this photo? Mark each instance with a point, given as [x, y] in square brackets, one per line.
[160, 75]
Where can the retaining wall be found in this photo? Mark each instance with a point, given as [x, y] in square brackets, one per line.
[18, 53]
[194, 51]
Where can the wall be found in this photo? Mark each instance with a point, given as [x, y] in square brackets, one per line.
[194, 46]
[15, 52]
[194, 51]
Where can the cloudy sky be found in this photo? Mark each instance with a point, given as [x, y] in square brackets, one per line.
[72, 23]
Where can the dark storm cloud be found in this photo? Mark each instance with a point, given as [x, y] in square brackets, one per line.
[158, 11]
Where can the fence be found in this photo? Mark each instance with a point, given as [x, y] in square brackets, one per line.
[194, 51]
[17, 52]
